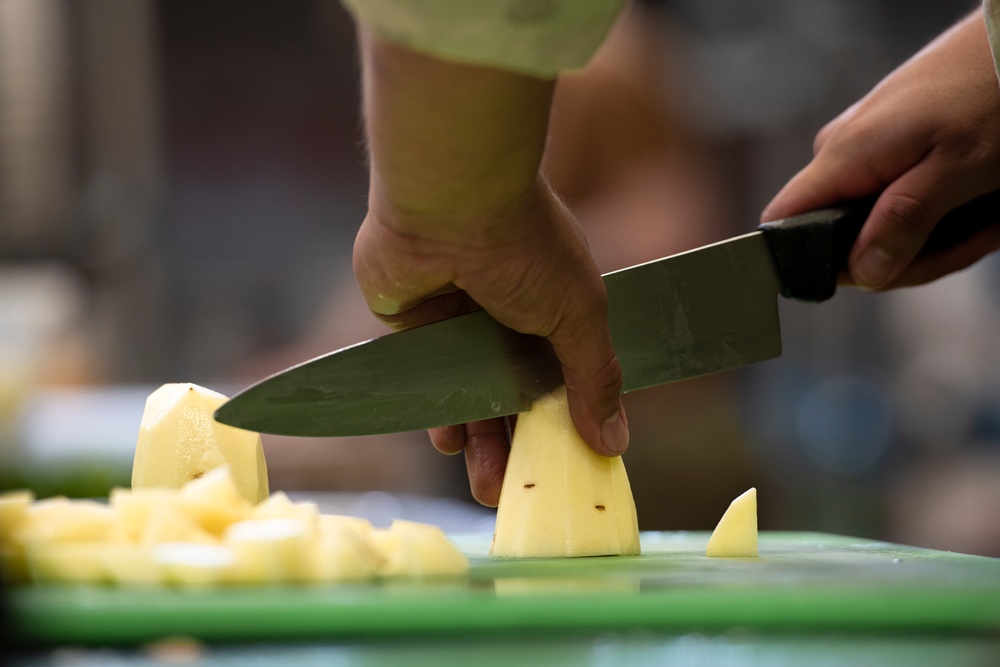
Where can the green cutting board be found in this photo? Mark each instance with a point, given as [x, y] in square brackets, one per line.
[802, 582]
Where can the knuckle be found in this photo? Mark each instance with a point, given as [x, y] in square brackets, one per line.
[908, 215]
[845, 136]
[609, 377]
[963, 146]
[969, 153]
[485, 483]
[827, 132]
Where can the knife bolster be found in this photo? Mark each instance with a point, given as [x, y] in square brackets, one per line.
[810, 250]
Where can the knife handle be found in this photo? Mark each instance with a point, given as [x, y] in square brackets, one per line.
[810, 250]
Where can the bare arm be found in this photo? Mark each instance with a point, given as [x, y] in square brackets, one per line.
[460, 217]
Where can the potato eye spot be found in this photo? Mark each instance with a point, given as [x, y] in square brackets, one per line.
[600, 508]
[529, 486]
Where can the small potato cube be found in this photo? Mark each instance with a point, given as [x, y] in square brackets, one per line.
[166, 523]
[66, 562]
[279, 506]
[418, 549]
[62, 520]
[344, 554]
[134, 507]
[214, 501]
[14, 507]
[193, 565]
[336, 522]
[131, 565]
[271, 550]
[13, 510]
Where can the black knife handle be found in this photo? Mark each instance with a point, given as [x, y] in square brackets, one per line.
[811, 249]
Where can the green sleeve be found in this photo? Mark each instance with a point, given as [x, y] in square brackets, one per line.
[991, 13]
[539, 38]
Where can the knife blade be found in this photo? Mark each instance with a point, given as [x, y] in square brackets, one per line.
[698, 312]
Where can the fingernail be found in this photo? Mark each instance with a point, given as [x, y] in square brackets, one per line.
[874, 267]
[614, 433]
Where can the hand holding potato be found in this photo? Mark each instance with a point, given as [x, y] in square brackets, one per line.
[460, 218]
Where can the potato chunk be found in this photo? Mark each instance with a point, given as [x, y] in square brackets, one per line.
[736, 534]
[179, 440]
[559, 497]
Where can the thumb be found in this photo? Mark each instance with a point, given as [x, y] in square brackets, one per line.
[593, 378]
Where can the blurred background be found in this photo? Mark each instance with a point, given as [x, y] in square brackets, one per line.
[180, 183]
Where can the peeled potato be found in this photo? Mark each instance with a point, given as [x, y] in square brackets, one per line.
[560, 498]
[179, 441]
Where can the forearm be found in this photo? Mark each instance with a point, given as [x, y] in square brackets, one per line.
[455, 149]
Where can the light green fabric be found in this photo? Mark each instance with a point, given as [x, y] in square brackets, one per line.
[991, 12]
[535, 37]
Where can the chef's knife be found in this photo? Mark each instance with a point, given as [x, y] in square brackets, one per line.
[706, 310]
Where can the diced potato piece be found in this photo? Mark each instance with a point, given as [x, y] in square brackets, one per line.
[67, 562]
[559, 497]
[160, 536]
[179, 440]
[418, 549]
[134, 507]
[132, 565]
[345, 549]
[214, 501]
[13, 509]
[61, 540]
[736, 534]
[343, 553]
[167, 523]
[62, 520]
[271, 550]
[390, 547]
[336, 522]
[91, 563]
[279, 506]
[193, 565]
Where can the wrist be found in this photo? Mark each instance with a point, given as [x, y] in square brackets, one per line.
[474, 224]
[454, 148]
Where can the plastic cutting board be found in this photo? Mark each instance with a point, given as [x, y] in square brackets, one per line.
[802, 582]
